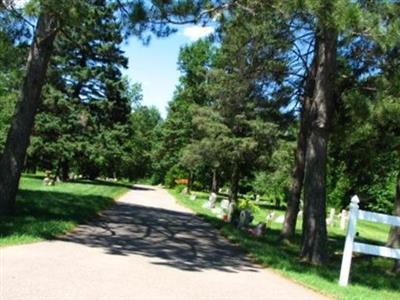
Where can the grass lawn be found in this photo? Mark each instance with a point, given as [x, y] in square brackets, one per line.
[369, 276]
[45, 212]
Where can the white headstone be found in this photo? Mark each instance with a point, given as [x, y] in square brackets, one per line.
[212, 199]
[210, 204]
[258, 198]
[343, 219]
[193, 197]
[331, 219]
[225, 204]
[280, 219]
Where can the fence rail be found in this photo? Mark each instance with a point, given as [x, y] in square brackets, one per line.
[351, 246]
[378, 218]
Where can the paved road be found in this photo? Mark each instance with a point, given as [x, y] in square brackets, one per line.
[146, 247]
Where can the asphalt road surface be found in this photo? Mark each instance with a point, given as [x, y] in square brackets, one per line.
[146, 247]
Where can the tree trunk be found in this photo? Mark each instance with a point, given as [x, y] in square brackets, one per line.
[233, 196]
[12, 160]
[214, 184]
[314, 242]
[293, 205]
[190, 182]
[394, 235]
[63, 169]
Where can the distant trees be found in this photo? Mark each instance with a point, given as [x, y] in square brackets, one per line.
[177, 131]
[85, 108]
[53, 17]
[277, 55]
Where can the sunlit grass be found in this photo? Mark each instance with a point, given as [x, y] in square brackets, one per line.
[45, 212]
[370, 278]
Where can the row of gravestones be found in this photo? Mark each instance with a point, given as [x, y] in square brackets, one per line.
[226, 209]
[343, 217]
[330, 221]
[227, 191]
[51, 180]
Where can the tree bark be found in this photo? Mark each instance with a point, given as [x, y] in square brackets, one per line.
[12, 160]
[233, 195]
[314, 240]
[63, 169]
[394, 235]
[190, 182]
[293, 205]
[214, 184]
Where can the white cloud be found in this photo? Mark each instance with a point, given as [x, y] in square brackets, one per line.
[197, 32]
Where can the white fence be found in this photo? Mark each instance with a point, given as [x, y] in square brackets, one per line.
[351, 246]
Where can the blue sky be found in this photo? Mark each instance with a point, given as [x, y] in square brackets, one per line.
[155, 66]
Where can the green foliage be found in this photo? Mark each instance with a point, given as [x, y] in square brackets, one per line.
[364, 153]
[13, 48]
[274, 182]
[177, 132]
[339, 186]
[250, 205]
[174, 173]
[144, 122]
[84, 123]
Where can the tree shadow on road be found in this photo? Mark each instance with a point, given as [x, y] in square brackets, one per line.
[48, 214]
[174, 239]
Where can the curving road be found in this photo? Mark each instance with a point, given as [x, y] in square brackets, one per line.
[146, 247]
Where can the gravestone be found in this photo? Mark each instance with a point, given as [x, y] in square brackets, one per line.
[47, 179]
[344, 216]
[223, 209]
[211, 201]
[193, 197]
[231, 210]
[259, 230]
[258, 198]
[245, 218]
[280, 219]
[225, 204]
[331, 220]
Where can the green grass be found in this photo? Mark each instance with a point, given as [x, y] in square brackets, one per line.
[45, 212]
[369, 276]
